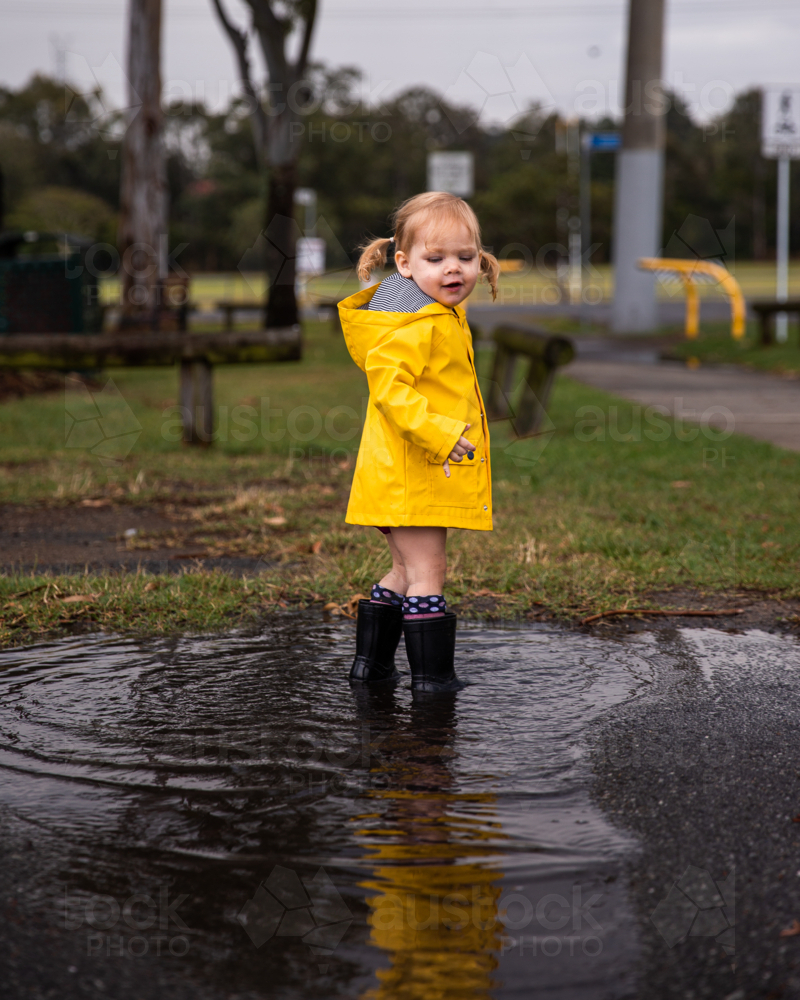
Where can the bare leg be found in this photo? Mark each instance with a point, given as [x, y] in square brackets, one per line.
[423, 555]
[395, 579]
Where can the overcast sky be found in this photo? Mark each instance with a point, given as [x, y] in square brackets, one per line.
[499, 54]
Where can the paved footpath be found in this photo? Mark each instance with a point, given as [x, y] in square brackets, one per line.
[765, 407]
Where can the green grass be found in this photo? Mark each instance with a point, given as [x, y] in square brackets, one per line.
[714, 345]
[588, 516]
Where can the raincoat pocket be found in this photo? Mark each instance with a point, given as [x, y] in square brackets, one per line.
[460, 490]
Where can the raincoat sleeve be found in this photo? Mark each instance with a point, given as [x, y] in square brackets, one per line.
[393, 367]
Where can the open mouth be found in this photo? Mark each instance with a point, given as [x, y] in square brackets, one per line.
[454, 285]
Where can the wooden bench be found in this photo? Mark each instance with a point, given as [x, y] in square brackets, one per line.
[766, 310]
[546, 353]
[228, 308]
[196, 353]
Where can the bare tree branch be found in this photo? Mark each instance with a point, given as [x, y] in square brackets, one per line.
[272, 31]
[278, 124]
[239, 41]
[308, 28]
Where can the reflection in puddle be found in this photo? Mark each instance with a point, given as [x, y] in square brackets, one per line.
[434, 908]
[241, 777]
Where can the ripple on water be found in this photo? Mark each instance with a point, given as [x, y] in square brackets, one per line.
[200, 764]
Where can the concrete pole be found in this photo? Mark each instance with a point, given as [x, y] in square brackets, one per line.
[782, 282]
[638, 193]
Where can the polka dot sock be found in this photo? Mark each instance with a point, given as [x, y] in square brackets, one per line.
[382, 595]
[424, 607]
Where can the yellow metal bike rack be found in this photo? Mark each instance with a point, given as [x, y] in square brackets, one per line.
[686, 270]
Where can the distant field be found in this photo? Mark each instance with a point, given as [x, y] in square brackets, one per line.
[757, 279]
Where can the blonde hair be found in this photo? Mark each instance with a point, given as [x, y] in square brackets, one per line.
[443, 211]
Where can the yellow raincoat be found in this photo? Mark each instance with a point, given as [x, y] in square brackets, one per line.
[423, 392]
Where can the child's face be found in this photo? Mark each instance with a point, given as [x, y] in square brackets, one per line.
[446, 268]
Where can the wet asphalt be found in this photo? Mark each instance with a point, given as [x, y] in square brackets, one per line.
[705, 771]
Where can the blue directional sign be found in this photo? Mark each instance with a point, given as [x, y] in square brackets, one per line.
[604, 142]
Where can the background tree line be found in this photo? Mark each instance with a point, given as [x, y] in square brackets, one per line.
[60, 162]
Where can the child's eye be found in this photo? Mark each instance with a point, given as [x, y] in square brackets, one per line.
[435, 260]
[469, 256]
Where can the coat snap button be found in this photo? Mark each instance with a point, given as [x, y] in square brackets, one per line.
[471, 455]
[483, 459]
[485, 507]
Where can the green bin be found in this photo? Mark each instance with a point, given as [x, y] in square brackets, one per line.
[47, 293]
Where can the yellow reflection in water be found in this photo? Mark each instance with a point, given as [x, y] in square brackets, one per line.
[434, 889]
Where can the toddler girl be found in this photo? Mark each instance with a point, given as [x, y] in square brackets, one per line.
[423, 464]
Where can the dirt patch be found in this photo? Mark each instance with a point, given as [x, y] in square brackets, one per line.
[17, 385]
[93, 537]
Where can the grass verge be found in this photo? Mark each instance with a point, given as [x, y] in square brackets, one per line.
[605, 508]
[715, 346]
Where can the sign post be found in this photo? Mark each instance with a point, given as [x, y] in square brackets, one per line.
[308, 198]
[780, 140]
[452, 172]
[309, 262]
[592, 142]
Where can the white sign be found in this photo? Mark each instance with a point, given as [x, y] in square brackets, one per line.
[310, 255]
[451, 172]
[780, 123]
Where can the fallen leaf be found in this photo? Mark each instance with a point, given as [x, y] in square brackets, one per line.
[792, 931]
[76, 598]
[95, 503]
[151, 586]
[487, 593]
[315, 548]
[282, 604]
[681, 484]
[189, 555]
[796, 819]
[275, 521]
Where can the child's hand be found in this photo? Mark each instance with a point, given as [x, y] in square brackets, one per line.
[460, 449]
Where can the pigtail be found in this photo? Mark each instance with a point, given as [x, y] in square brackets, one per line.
[373, 256]
[491, 270]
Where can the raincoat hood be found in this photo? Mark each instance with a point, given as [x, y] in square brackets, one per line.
[364, 328]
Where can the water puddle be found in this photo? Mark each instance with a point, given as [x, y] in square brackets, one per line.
[223, 817]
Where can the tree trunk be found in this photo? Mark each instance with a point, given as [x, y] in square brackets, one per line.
[142, 237]
[281, 247]
[276, 144]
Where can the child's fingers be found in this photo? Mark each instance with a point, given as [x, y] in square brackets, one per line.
[446, 468]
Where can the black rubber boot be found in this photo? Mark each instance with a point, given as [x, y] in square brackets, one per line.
[378, 632]
[431, 646]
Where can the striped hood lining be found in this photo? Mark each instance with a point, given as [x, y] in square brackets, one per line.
[398, 294]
